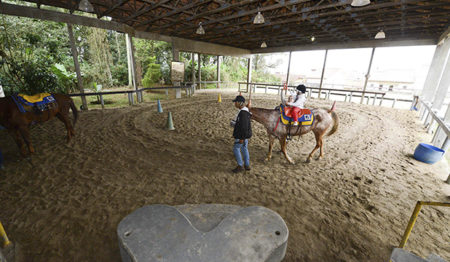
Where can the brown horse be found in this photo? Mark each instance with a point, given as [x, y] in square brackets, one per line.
[269, 118]
[18, 123]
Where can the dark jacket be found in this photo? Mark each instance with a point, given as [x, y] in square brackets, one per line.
[243, 127]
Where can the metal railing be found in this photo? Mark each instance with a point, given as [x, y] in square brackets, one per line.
[429, 117]
[139, 93]
[373, 96]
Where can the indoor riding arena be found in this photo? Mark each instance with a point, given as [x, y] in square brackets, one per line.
[356, 203]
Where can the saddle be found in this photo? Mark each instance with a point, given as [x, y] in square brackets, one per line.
[37, 103]
[305, 116]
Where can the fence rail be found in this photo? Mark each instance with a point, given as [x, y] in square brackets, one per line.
[139, 93]
[348, 94]
[430, 117]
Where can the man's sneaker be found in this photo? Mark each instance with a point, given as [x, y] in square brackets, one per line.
[238, 169]
[247, 168]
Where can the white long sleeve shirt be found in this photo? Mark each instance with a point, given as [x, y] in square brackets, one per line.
[298, 101]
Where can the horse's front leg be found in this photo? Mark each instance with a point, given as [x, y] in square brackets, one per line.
[271, 140]
[283, 149]
[318, 145]
[16, 136]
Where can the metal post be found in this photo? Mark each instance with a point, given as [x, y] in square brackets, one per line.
[130, 74]
[374, 99]
[323, 71]
[167, 93]
[381, 100]
[249, 71]
[393, 103]
[446, 144]
[431, 126]
[288, 69]
[4, 236]
[77, 65]
[350, 99]
[193, 69]
[411, 223]
[346, 95]
[133, 64]
[102, 102]
[266, 89]
[367, 75]
[199, 72]
[218, 71]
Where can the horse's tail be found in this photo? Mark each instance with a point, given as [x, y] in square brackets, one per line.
[335, 121]
[74, 111]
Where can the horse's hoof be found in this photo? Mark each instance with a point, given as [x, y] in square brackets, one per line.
[267, 159]
[308, 160]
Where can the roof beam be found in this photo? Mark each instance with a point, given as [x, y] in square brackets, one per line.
[180, 43]
[145, 10]
[186, 7]
[31, 12]
[356, 44]
[118, 4]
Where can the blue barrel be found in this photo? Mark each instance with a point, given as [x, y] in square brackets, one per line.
[428, 154]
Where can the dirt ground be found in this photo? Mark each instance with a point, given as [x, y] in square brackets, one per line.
[353, 205]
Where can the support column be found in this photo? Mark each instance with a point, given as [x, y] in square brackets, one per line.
[367, 75]
[199, 72]
[193, 70]
[133, 66]
[176, 58]
[249, 71]
[323, 71]
[130, 73]
[77, 65]
[218, 71]
[288, 69]
[444, 81]
[435, 71]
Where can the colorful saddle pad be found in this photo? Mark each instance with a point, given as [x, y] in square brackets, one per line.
[37, 103]
[305, 117]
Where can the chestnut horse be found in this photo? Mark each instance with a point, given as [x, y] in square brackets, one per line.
[323, 119]
[18, 123]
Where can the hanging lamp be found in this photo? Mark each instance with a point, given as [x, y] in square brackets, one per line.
[358, 3]
[259, 19]
[200, 30]
[263, 45]
[380, 35]
[86, 6]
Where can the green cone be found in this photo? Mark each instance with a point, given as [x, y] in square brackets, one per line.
[170, 122]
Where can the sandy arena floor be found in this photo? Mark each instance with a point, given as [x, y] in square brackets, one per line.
[353, 205]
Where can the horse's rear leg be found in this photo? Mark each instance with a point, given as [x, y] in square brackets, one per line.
[318, 145]
[271, 140]
[66, 121]
[26, 137]
[16, 135]
[283, 149]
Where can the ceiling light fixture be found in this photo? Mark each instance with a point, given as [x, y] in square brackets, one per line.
[259, 19]
[380, 35]
[86, 6]
[358, 3]
[200, 30]
[313, 38]
[263, 45]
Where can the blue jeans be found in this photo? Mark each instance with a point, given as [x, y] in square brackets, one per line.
[237, 152]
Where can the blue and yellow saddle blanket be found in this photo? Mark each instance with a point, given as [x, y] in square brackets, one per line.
[306, 117]
[37, 103]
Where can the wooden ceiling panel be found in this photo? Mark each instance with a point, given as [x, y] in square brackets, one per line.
[230, 22]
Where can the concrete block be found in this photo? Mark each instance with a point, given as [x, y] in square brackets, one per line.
[401, 255]
[202, 233]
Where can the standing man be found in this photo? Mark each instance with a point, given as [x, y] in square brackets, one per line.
[242, 132]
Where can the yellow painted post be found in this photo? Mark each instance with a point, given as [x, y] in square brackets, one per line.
[219, 99]
[411, 223]
[4, 236]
